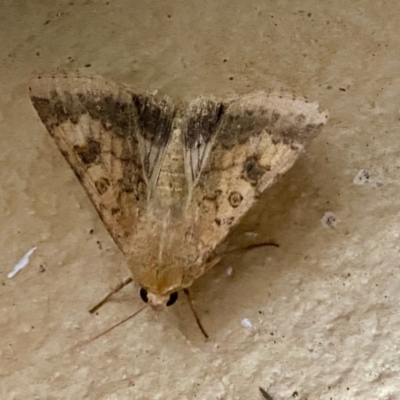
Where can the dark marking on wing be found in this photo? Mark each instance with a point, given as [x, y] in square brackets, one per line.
[235, 198]
[295, 134]
[252, 170]
[203, 121]
[78, 175]
[238, 127]
[46, 110]
[115, 210]
[210, 199]
[229, 221]
[117, 115]
[155, 117]
[114, 114]
[90, 152]
[102, 185]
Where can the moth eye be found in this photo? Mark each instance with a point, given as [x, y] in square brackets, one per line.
[143, 295]
[173, 297]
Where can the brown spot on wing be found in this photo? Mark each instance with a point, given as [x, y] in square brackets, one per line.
[253, 170]
[102, 185]
[89, 152]
[235, 198]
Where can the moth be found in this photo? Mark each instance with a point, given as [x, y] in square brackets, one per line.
[171, 179]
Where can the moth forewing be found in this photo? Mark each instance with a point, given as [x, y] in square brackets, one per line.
[170, 181]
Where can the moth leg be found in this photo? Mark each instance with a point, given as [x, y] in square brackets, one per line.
[251, 246]
[115, 290]
[186, 291]
[265, 394]
[262, 244]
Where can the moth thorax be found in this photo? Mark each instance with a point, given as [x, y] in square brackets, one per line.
[157, 301]
[171, 184]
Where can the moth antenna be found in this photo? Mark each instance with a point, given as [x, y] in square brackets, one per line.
[186, 291]
[117, 324]
[117, 289]
[107, 330]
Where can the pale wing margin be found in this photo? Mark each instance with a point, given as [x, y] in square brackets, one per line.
[95, 125]
[257, 138]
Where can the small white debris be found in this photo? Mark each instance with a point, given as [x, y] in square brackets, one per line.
[362, 177]
[22, 263]
[229, 271]
[246, 323]
[251, 235]
[329, 220]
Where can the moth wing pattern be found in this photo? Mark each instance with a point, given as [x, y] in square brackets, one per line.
[245, 143]
[170, 182]
[155, 119]
[203, 118]
[114, 148]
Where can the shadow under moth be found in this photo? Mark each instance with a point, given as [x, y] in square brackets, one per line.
[170, 179]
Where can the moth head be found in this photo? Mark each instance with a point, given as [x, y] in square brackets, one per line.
[156, 300]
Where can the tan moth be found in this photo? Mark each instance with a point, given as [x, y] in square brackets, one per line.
[170, 180]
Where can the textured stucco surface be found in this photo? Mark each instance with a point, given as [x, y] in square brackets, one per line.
[324, 306]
